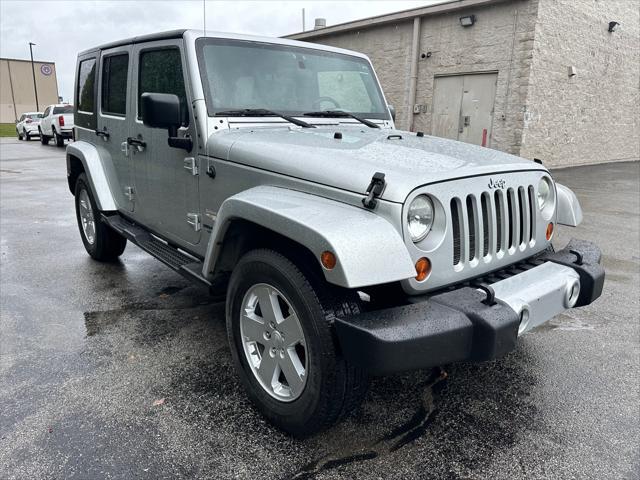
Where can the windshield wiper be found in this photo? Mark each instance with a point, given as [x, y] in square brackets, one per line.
[343, 114]
[261, 112]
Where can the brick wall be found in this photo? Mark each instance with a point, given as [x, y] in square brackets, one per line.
[593, 116]
[501, 41]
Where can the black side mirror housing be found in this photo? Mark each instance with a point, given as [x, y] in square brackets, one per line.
[392, 111]
[162, 110]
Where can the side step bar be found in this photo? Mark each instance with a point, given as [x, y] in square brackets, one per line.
[183, 263]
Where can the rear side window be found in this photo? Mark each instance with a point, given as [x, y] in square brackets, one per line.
[161, 72]
[114, 84]
[65, 109]
[86, 85]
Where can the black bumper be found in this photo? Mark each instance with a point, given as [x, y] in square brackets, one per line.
[454, 326]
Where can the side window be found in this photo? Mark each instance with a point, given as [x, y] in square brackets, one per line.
[160, 71]
[86, 85]
[46, 112]
[114, 84]
[21, 118]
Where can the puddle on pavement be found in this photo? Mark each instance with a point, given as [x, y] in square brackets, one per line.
[566, 323]
[399, 437]
[170, 290]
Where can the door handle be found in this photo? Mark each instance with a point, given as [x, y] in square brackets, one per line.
[103, 133]
[124, 146]
[139, 144]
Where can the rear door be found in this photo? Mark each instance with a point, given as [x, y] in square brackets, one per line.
[165, 185]
[45, 123]
[114, 118]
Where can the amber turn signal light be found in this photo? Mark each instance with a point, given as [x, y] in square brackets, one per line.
[423, 268]
[328, 260]
[549, 231]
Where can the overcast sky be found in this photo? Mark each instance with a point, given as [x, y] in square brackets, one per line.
[61, 29]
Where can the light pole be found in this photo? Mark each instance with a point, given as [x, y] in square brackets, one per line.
[33, 71]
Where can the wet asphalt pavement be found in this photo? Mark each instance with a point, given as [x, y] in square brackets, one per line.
[123, 370]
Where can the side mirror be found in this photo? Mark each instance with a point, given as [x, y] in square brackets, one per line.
[392, 111]
[162, 110]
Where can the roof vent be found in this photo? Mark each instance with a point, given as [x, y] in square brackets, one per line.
[320, 23]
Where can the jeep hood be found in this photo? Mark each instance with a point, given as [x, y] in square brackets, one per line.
[349, 163]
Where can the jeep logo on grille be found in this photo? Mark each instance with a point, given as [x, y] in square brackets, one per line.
[498, 183]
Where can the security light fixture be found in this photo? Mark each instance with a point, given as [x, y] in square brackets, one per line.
[468, 20]
[613, 26]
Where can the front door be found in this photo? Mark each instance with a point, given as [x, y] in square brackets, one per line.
[463, 107]
[165, 190]
[114, 115]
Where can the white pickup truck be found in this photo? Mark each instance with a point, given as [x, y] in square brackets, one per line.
[56, 123]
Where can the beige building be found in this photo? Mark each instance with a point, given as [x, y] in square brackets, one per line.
[17, 94]
[556, 80]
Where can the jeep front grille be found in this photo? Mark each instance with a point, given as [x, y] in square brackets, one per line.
[492, 223]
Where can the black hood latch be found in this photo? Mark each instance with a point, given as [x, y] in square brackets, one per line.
[374, 190]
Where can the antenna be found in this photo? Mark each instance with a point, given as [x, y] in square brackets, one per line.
[204, 17]
[303, 22]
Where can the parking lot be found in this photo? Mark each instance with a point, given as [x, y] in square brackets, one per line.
[123, 370]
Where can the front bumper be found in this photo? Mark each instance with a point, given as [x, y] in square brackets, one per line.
[469, 324]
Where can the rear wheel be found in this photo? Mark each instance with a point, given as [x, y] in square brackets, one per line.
[280, 329]
[100, 241]
[58, 138]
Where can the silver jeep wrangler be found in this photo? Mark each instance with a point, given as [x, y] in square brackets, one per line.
[270, 171]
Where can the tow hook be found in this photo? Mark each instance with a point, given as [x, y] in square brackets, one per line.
[374, 190]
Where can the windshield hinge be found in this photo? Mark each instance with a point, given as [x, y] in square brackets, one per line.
[374, 190]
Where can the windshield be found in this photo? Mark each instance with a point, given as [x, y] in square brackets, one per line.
[239, 74]
[65, 109]
[34, 116]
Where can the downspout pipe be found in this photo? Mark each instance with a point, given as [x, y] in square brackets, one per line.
[413, 78]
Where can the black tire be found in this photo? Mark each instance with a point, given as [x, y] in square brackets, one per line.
[333, 387]
[107, 244]
[18, 134]
[58, 138]
[26, 136]
[44, 140]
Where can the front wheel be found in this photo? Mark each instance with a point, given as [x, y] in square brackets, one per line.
[283, 345]
[100, 241]
[18, 134]
[44, 140]
[26, 136]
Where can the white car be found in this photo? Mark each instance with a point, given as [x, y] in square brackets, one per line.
[57, 123]
[27, 125]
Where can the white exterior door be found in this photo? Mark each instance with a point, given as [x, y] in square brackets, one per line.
[463, 107]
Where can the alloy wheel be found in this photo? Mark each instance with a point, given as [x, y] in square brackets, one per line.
[273, 342]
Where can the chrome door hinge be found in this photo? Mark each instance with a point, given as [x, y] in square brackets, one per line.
[190, 164]
[193, 219]
[128, 192]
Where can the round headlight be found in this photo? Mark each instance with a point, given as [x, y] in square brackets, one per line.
[420, 217]
[544, 192]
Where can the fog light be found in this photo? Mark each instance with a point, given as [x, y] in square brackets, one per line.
[423, 268]
[328, 260]
[549, 231]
